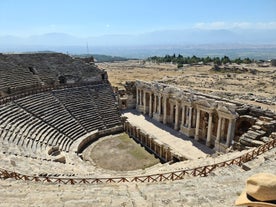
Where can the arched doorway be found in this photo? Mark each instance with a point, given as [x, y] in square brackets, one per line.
[62, 80]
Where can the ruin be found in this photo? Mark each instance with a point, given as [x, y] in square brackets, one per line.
[53, 106]
[216, 122]
[205, 119]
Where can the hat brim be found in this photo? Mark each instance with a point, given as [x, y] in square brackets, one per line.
[243, 200]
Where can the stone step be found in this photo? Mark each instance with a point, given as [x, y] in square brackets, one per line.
[230, 170]
[251, 135]
[261, 132]
[265, 139]
[265, 119]
[273, 135]
[220, 189]
[256, 127]
[253, 163]
[259, 123]
[250, 142]
[254, 134]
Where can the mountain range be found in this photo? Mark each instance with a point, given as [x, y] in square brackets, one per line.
[165, 39]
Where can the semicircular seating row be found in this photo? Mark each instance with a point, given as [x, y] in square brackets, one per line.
[59, 117]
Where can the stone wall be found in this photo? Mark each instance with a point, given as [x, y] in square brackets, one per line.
[152, 144]
[80, 144]
[127, 97]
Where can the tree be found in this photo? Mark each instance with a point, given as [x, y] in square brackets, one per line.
[195, 59]
[167, 59]
[207, 60]
[238, 61]
[217, 60]
[247, 60]
[225, 60]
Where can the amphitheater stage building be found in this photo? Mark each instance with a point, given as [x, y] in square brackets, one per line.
[218, 123]
[184, 147]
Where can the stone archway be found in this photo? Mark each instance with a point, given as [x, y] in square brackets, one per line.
[243, 124]
[62, 79]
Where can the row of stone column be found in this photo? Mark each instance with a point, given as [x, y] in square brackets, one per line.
[155, 146]
[152, 103]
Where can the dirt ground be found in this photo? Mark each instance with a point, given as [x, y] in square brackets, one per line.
[126, 153]
[258, 88]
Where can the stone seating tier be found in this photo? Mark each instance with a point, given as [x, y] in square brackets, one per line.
[58, 118]
[27, 70]
[46, 107]
[220, 189]
[14, 76]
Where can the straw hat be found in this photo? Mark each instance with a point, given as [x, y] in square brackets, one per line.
[260, 190]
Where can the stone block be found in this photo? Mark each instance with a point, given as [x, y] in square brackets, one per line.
[256, 127]
[250, 142]
[265, 139]
[266, 119]
[259, 123]
[251, 135]
[273, 135]
[261, 132]
[253, 164]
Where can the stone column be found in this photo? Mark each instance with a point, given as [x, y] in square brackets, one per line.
[159, 104]
[171, 114]
[187, 116]
[150, 105]
[164, 110]
[176, 120]
[183, 116]
[218, 130]
[137, 96]
[147, 140]
[194, 118]
[154, 103]
[230, 132]
[190, 117]
[140, 97]
[197, 125]
[144, 100]
[209, 133]
[222, 133]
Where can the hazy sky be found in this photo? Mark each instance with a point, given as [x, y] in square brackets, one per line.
[92, 18]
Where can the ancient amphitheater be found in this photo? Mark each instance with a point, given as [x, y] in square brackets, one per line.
[53, 106]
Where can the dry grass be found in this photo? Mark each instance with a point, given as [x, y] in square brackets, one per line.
[121, 153]
[200, 78]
